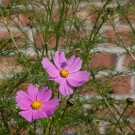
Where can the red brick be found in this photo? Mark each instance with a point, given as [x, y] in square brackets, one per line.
[130, 14]
[51, 42]
[101, 1]
[19, 130]
[6, 2]
[3, 20]
[19, 37]
[87, 89]
[127, 128]
[17, 20]
[56, 15]
[130, 17]
[81, 13]
[116, 85]
[94, 15]
[130, 111]
[85, 14]
[103, 113]
[105, 60]
[22, 20]
[22, 86]
[121, 84]
[128, 62]
[39, 40]
[6, 34]
[97, 1]
[63, 40]
[9, 65]
[124, 33]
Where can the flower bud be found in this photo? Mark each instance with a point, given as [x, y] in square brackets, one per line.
[129, 101]
[70, 102]
[110, 10]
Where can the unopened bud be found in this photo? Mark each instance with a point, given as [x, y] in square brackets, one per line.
[129, 101]
[110, 10]
[70, 102]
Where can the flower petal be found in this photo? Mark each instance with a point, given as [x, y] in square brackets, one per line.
[32, 91]
[38, 114]
[60, 60]
[23, 100]
[44, 95]
[65, 88]
[57, 79]
[50, 68]
[50, 113]
[74, 64]
[50, 105]
[28, 115]
[71, 60]
[78, 78]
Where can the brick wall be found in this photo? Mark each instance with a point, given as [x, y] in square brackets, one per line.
[111, 54]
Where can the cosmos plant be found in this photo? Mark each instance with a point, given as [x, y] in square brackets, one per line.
[66, 72]
[36, 104]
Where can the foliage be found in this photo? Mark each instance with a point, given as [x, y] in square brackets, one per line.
[63, 21]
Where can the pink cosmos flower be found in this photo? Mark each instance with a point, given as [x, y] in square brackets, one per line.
[65, 72]
[36, 104]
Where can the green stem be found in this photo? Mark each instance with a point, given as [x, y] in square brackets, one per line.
[60, 24]
[35, 128]
[50, 127]
[123, 112]
[95, 31]
[124, 119]
[113, 114]
[64, 112]
[4, 120]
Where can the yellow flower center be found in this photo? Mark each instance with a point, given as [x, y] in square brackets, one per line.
[36, 105]
[64, 73]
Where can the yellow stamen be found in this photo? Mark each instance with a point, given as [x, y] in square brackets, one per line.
[36, 105]
[64, 73]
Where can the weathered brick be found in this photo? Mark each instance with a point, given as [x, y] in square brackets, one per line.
[66, 39]
[121, 84]
[128, 62]
[105, 60]
[18, 20]
[130, 111]
[21, 38]
[6, 2]
[9, 65]
[117, 85]
[21, 20]
[125, 35]
[51, 41]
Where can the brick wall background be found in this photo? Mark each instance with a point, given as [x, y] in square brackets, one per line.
[113, 55]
